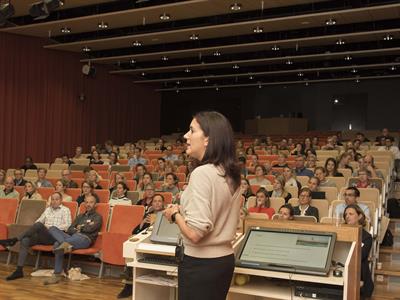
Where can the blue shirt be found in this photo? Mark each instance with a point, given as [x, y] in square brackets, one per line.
[304, 172]
[134, 161]
[342, 206]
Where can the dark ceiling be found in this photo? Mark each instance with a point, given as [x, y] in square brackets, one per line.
[201, 44]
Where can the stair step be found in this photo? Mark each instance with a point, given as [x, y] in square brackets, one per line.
[389, 250]
[385, 292]
[389, 269]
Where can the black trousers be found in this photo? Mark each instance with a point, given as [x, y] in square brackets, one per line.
[205, 278]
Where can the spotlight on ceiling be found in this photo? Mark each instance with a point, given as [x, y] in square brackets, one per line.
[330, 22]
[340, 42]
[6, 11]
[42, 9]
[236, 6]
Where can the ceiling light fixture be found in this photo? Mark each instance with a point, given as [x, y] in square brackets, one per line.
[354, 70]
[330, 22]
[187, 70]
[235, 66]
[236, 6]
[205, 80]
[251, 77]
[194, 37]
[275, 48]
[393, 68]
[164, 58]
[217, 53]
[388, 37]
[300, 74]
[258, 29]
[132, 61]
[137, 43]
[86, 49]
[340, 42]
[143, 74]
[289, 62]
[65, 30]
[348, 58]
[102, 25]
[165, 17]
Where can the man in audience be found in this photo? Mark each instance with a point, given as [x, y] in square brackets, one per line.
[169, 155]
[360, 136]
[42, 181]
[313, 185]
[80, 235]
[55, 215]
[78, 153]
[137, 159]
[301, 170]
[66, 177]
[9, 191]
[330, 144]
[370, 166]
[384, 135]
[396, 153]
[29, 165]
[147, 197]
[66, 160]
[351, 196]
[320, 172]
[18, 178]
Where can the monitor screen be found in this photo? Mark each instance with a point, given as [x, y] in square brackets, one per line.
[295, 251]
[164, 232]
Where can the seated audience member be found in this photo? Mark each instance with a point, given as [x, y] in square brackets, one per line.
[311, 162]
[86, 172]
[140, 170]
[313, 185]
[353, 153]
[119, 196]
[113, 159]
[78, 153]
[147, 197]
[60, 187]
[108, 147]
[2, 177]
[38, 234]
[274, 150]
[299, 150]
[363, 179]
[262, 204]
[320, 172]
[160, 168]
[66, 177]
[351, 196]
[304, 208]
[308, 146]
[360, 136]
[169, 155]
[357, 145]
[31, 192]
[290, 178]
[301, 169]
[96, 158]
[286, 212]
[87, 189]
[354, 215]
[118, 177]
[65, 159]
[160, 145]
[368, 163]
[94, 178]
[344, 161]
[18, 178]
[315, 143]
[243, 169]
[171, 184]
[137, 159]
[260, 172]
[396, 153]
[250, 151]
[29, 165]
[246, 189]
[145, 180]
[9, 191]
[42, 181]
[282, 163]
[382, 137]
[283, 145]
[331, 168]
[279, 190]
[80, 235]
[330, 144]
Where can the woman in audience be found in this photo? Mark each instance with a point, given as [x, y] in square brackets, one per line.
[274, 149]
[313, 185]
[331, 168]
[160, 168]
[246, 189]
[304, 208]
[279, 190]
[146, 179]
[60, 187]
[250, 151]
[311, 160]
[169, 167]
[94, 178]
[31, 192]
[120, 195]
[95, 158]
[308, 146]
[262, 204]
[282, 163]
[363, 179]
[320, 173]
[298, 150]
[2, 176]
[344, 161]
[286, 212]
[147, 197]
[87, 189]
[171, 184]
[139, 172]
[113, 159]
[290, 178]
[253, 163]
[354, 215]
[315, 143]
[118, 177]
[260, 172]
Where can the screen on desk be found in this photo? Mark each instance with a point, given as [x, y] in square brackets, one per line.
[164, 232]
[294, 251]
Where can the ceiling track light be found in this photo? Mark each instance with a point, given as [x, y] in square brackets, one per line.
[194, 37]
[235, 66]
[217, 53]
[165, 17]
[66, 30]
[132, 61]
[102, 25]
[388, 37]
[340, 42]
[137, 43]
[251, 77]
[348, 58]
[236, 6]
[143, 74]
[86, 49]
[258, 29]
[330, 22]
[187, 70]
[289, 62]
[164, 58]
[393, 68]
[300, 74]
[275, 48]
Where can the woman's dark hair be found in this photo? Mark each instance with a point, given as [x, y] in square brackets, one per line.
[359, 211]
[160, 195]
[262, 167]
[248, 150]
[267, 202]
[176, 180]
[289, 207]
[161, 158]
[221, 146]
[249, 192]
[116, 156]
[89, 184]
[334, 163]
[126, 189]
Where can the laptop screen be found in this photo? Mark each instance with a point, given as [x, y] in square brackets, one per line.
[295, 251]
[164, 232]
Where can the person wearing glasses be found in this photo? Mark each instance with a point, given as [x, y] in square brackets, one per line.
[351, 195]
[304, 208]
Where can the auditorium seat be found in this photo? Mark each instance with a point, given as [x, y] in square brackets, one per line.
[73, 192]
[254, 215]
[98, 168]
[59, 167]
[168, 197]
[8, 208]
[276, 203]
[307, 219]
[46, 192]
[134, 196]
[104, 195]
[331, 193]
[131, 184]
[339, 181]
[43, 165]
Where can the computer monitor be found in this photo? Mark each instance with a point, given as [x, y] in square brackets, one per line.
[164, 232]
[287, 250]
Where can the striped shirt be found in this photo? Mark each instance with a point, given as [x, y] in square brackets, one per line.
[59, 217]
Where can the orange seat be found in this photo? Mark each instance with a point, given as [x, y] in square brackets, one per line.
[158, 185]
[45, 192]
[123, 161]
[20, 190]
[79, 181]
[149, 168]
[104, 183]
[254, 188]
[131, 184]
[104, 174]
[73, 207]
[104, 195]
[8, 208]
[181, 176]
[182, 169]
[98, 168]
[74, 193]
[53, 181]
[77, 174]
[168, 197]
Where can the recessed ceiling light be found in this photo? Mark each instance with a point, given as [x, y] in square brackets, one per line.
[306, 84]
[275, 48]
[348, 57]
[289, 62]
[164, 58]
[251, 77]
[178, 82]
[300, 74]
[236, 6]
[235, 66]
[137, 43]
[132, 61]
[258, 29]
[388, 37]
[358, 80]
[340, 42]
[194, 37]
[66, 30]
[330, 22]
[187, 70]
[205, 80]
[102, 25]
[143, 74]
[165, 17]
[393, 68]
[86, 49]
[177, 91]
[354, 70]
[259, 84]
[217, 53]
[336, 101]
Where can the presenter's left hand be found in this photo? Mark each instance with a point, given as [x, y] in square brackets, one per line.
[171, 209]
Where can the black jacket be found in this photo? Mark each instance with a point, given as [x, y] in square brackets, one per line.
[311, 211]
[366, 277]
[91, 225]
